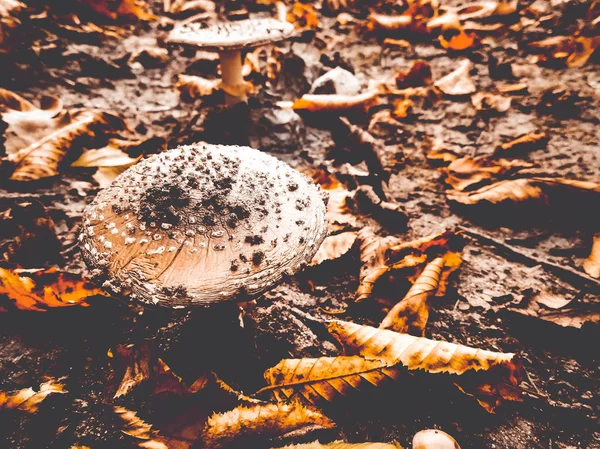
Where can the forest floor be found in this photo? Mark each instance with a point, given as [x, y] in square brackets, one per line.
[511, 254]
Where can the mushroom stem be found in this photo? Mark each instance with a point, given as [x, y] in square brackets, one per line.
[231, 74]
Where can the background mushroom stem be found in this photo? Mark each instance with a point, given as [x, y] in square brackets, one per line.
[233, 81]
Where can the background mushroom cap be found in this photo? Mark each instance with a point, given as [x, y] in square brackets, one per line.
[201, 224]
[234, 35]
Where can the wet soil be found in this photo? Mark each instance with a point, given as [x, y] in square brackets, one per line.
[562, 410]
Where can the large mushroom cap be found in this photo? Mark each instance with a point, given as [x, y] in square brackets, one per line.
[201, 224]
[237, 35]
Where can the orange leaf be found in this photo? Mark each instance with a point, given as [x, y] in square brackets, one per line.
[28, 400]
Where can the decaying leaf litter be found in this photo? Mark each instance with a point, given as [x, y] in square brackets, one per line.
[527, 283]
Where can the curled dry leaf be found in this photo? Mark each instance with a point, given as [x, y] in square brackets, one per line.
[339, 215]
[336, 103]
[524, 144]
[343, 445]
[469, 171]
[38, 139]
[137, 366]
[569, 50]
[120, 8]
[266, 421]
[592, 263]
[191, 87]
[503, 371]
[411, 314]
[524, 190]
[28, 400]
[334, 247]
[458, 82]
[39, 290]
[109, 156]
[486, 102]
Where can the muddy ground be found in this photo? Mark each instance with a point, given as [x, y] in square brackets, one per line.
[562, 410]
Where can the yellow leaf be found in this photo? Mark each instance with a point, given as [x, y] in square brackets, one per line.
[28, 400]
[303, 16]
[44, 289]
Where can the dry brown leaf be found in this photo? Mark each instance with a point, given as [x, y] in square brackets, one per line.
[396, 43]
[458, 82]
[401, 108]
[191, 87]
[388, 23]
[148, 438]
[268, 420]
[336, 103]
[486, 101]
[343, 445]
[109, 156]
[592, 263]
[38, 139]
[524, 144]
[339, 214]
[503, 371]
[104, 176]
[39, 290]
[418, 75]
[120, 8]
[334, 247]
[374, 263]
[9, 9]
[568, 50]
[523, 190]
[457, 39]
[558, 310]
[28, 400]
[137, 365]
[303, 16]
[411, 314]
[468, 171]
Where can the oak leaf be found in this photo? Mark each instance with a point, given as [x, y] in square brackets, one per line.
[268, 420]
[39, 290]
[28, 400]
[334, 247]
[458, 82]
[410, 315]
[592, 263]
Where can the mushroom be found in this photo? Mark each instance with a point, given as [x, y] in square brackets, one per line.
[433, 439]
[201, 224]
[229, 39]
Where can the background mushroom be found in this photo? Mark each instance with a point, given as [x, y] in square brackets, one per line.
[201, 224]
[433, 439]
[229, 39]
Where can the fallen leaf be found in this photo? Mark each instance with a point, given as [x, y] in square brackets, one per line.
[524, 144]
[148, 437]
[486, 101]
[411, 314]
[109, 156]
[336, 103]
[191, 87]
[119, 8]
[523, 190]
[592, 263]
[557, 310]
[457, 39]
[9, 9]
[388, 23]
[39, 290]
[266, 421]
[334, 247]
[303, 16]
[419, 74]
[503, 370]
[137, 365]
[402, 108]
[28, 400]
[458, 82]
[568, 50]
[339, 214]
[466, 172]
[389, 214]
[104, 176]
[343, 445]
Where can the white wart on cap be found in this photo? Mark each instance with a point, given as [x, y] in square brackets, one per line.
[201, 224]
[229, 39]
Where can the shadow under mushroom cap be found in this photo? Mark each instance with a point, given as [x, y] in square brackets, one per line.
[201, 224]
[235, 35]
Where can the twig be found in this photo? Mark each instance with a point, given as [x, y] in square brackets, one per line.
[567, 273]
